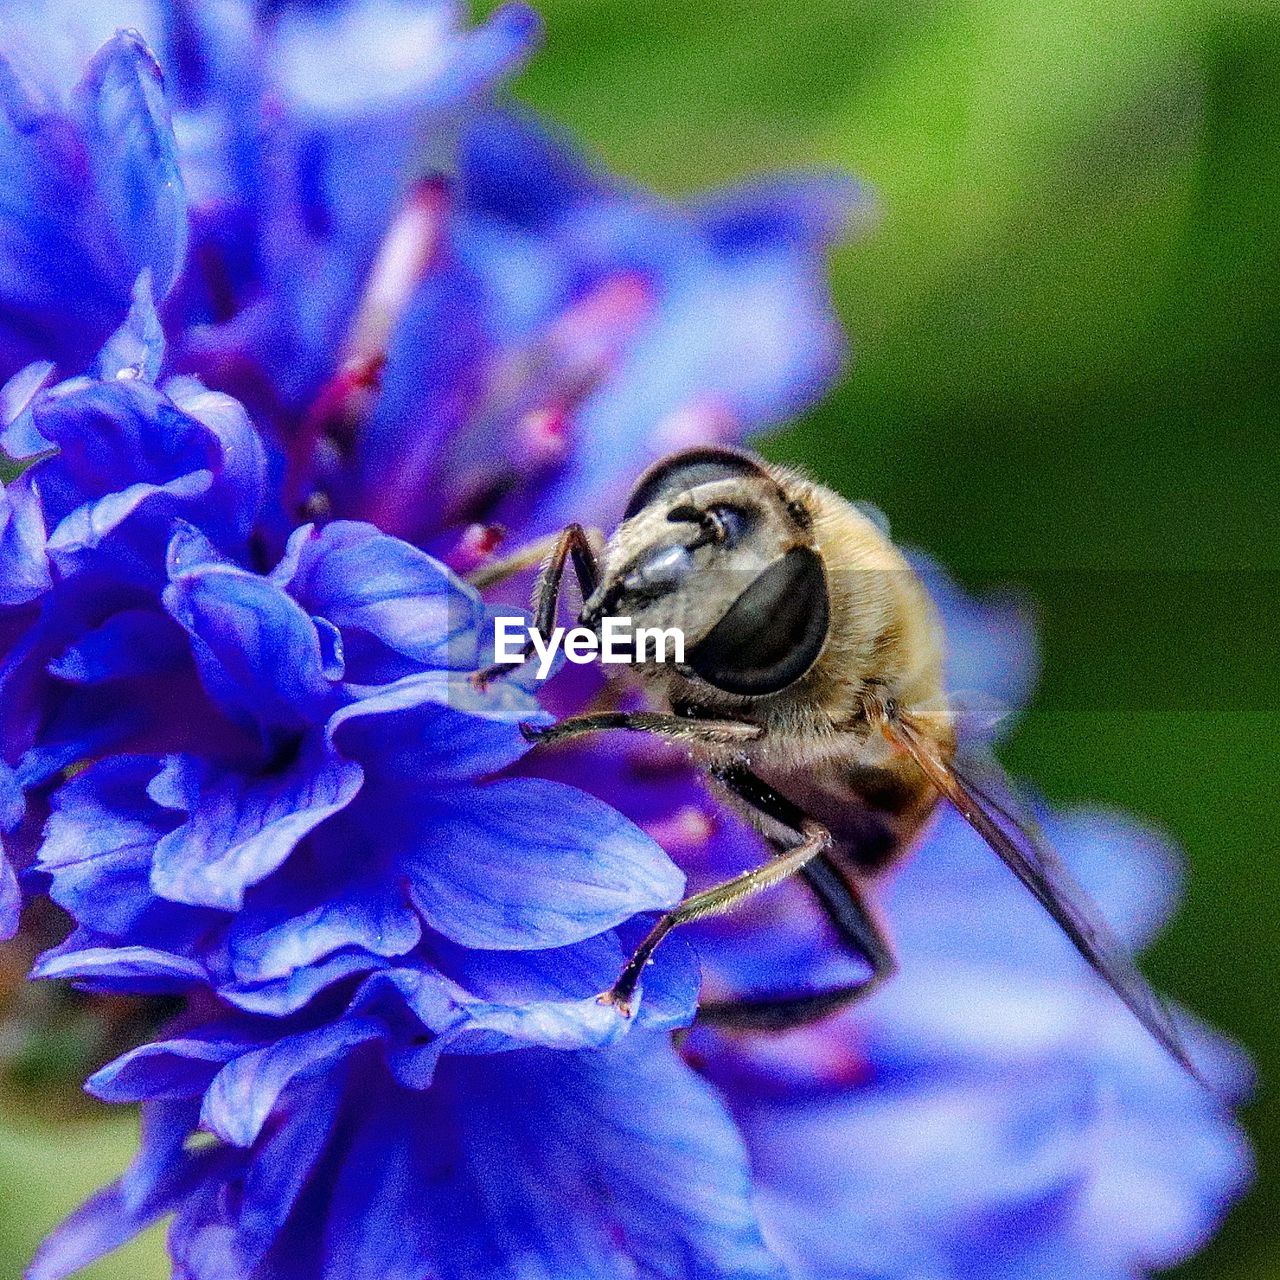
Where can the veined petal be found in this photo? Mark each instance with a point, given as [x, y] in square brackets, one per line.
[436, 725]
[552, 1165]
[297, 922]
[133, 156]
[93, 197]
[526, 863]
[167, 1069]
[257, 650]
[10, 897]
[360, 579]
[99, 842]
[240, 827]
[244, 1092]
[128, 970]
[24, 566]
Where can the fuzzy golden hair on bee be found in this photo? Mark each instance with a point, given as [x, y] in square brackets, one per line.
[810, 694]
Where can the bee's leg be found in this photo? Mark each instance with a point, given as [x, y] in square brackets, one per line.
[571, 543]
[679, 728]
[858, 929]
[811, 841]
[841, 897]
[517, 561]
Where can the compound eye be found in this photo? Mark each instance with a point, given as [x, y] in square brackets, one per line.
[772, 633]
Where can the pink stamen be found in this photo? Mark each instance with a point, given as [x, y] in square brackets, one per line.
[409, 251]
[542, 437]
[683, 831]
[474, 546]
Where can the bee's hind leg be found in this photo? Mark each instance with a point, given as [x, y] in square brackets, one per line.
[846, 907]
[858, 930]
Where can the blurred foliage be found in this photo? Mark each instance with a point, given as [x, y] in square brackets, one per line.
[1067, 314]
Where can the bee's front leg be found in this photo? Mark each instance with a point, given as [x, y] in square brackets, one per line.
[675, 728]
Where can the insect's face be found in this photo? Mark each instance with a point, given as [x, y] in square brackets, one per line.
[712, 545]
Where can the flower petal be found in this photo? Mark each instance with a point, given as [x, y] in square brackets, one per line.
[93, 196]
[303, 919]
[127, 970]
[243, 1093]
[99, 841]
[553, 1166]
[10, 897]
[166, 1069]
[133, 156]
[525, 863]
[241, 827]
[258, 651]
[24, 567]
[361, 579]
[436, 726]
[133, 642]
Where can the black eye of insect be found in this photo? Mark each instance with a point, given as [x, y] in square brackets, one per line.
[772, 633]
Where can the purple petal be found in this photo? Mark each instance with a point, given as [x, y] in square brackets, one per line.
[241, 827]
[127, 970]
[361, 57]
[136, 349]
[133, 156]
[10, 897]
[93, 197]
[361, 579]
[257, 650]
[436, 726]
[99, 841]
[18, 435]
[549, 1164]
[241, 474]
[526, 863]
[288, 929]
[134, 642]
[168, 1069]
[244, 1092]
[282, 996]
[160, 1179]
[24, 567]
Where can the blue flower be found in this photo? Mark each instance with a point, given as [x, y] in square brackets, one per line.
[240, 747]
[540, 1163]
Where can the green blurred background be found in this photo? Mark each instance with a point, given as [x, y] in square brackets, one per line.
[1067, 316]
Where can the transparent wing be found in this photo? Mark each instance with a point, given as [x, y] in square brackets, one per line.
[983, 799]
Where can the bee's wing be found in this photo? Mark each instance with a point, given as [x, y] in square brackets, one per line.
[985, 804]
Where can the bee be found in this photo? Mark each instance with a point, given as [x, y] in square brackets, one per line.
[811, 697]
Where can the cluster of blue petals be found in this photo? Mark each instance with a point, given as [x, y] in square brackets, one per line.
[287, 330]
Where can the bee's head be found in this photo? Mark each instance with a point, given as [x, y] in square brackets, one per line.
[711, 543]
